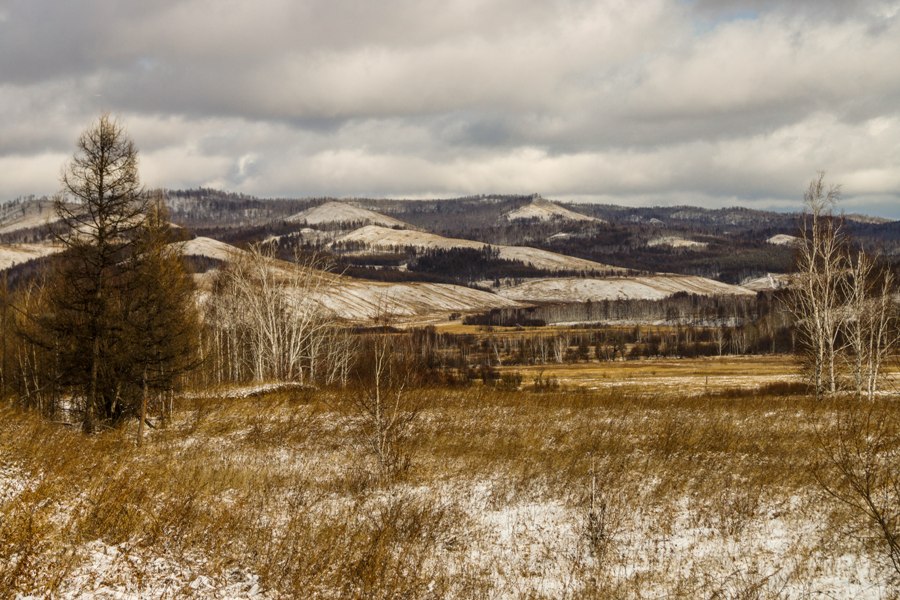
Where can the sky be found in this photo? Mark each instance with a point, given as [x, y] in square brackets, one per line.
[650, 102]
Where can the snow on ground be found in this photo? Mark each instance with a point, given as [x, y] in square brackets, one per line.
[730, 542]
[31, 214]
[118, 572]
[358, 300]
[246, 391]
[544, 210]
[383, 238]
[648, 287]
[13, 481]
[15, 254]
[783, 239]
[341, 212]
[768, 282]
[676, 242]
[208, 248]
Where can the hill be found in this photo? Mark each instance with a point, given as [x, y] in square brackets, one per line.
[544, 210]
[342, 212]
[27, 213]
[359, 300]
[17, 254]
[783, 239]
[375, 237]
[648, 287]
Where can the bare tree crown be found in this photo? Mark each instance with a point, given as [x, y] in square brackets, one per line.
[101, 187]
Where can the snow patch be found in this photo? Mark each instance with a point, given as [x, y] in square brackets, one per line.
[544, 210]
[341, 212]
[16, 254]
[676, 242]
[783, 239]
[768, 282]
[208, 248]
[649, 287]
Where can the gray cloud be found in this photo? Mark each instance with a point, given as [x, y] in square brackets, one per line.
[658, 101]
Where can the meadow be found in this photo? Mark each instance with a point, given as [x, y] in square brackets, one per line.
[688, 480]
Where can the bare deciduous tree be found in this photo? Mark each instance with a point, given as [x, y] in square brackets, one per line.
[817, 285]
[269, 323]
[388, 413]
[870, 321]
[861, 470]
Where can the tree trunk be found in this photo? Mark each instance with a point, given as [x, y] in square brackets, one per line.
[143, 415]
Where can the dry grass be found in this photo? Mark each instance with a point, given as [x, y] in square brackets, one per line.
[702, 495]
[700, 375]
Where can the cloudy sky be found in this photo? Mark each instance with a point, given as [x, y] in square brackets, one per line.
[707, 102]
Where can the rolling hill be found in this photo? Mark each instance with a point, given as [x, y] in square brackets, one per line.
[382, 238]
[645, 287]
[342, 213]
[544, 210]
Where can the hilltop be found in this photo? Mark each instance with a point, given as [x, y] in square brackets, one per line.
[543, 210]
[343, 213]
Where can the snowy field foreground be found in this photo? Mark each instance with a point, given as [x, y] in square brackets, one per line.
[502, 494]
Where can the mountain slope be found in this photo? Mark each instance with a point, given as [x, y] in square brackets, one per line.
[360, 300]
[19, 215]
[341, 212]
[544, 210]
[17, 254]
[649, 287]
[382, 238]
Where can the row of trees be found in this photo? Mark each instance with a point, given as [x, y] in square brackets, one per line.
[842, 300]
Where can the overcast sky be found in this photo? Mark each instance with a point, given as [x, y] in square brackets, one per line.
[639, 102]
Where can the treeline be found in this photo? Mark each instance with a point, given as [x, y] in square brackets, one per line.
[679, 308]
[204, 207]
[455, 358]
[471, 264]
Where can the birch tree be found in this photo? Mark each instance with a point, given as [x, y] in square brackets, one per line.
[871, 319]
[816, 299]
[269, 321]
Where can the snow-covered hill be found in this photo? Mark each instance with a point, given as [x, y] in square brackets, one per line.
[16, 216]
[544, 210]
[341, 212]
[16, 254]
[676, 242]
[381, 238]
[650, 287]
[767, 283]
[359, 300]
[208, 248]
[783, 239]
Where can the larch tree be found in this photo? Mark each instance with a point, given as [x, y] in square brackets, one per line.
[107, 288]
[161, 324]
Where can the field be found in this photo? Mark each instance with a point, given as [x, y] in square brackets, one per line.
[664, 487]
[702, 375]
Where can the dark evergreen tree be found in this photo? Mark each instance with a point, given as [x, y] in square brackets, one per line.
[107, 290]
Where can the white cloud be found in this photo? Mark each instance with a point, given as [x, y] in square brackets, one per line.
[604, 99]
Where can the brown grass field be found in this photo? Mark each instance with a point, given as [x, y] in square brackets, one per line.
[664, 487]
[713, 374]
